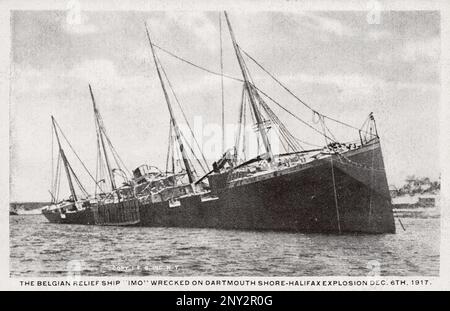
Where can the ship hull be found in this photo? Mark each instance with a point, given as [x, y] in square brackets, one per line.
[125, 213]
[340, 194]
[327, 197]
[345, 193]
[83, 217]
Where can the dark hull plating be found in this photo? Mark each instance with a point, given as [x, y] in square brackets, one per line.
[303, 201]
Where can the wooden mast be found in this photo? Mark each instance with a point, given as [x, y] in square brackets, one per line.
[66, 163]
[100, 129]
[250, 91]
[172, 117]
[221, 83]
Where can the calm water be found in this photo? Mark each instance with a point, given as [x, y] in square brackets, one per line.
[39, 248]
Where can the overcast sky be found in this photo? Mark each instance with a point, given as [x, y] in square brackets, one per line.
[335, 61]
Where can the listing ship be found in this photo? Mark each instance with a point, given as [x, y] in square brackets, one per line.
[335, 188]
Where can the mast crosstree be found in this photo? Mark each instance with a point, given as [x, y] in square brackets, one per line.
[252, 94]
[101, 133]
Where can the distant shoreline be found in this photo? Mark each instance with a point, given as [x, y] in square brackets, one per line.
[27, 206]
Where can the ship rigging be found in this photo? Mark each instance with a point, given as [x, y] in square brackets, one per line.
[264, 117]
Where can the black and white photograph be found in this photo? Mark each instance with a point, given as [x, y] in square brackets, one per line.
[224, 142]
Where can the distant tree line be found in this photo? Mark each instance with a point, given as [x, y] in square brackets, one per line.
[27, 206]
[419, 185]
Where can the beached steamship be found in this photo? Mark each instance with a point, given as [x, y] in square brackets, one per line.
[336, 188]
